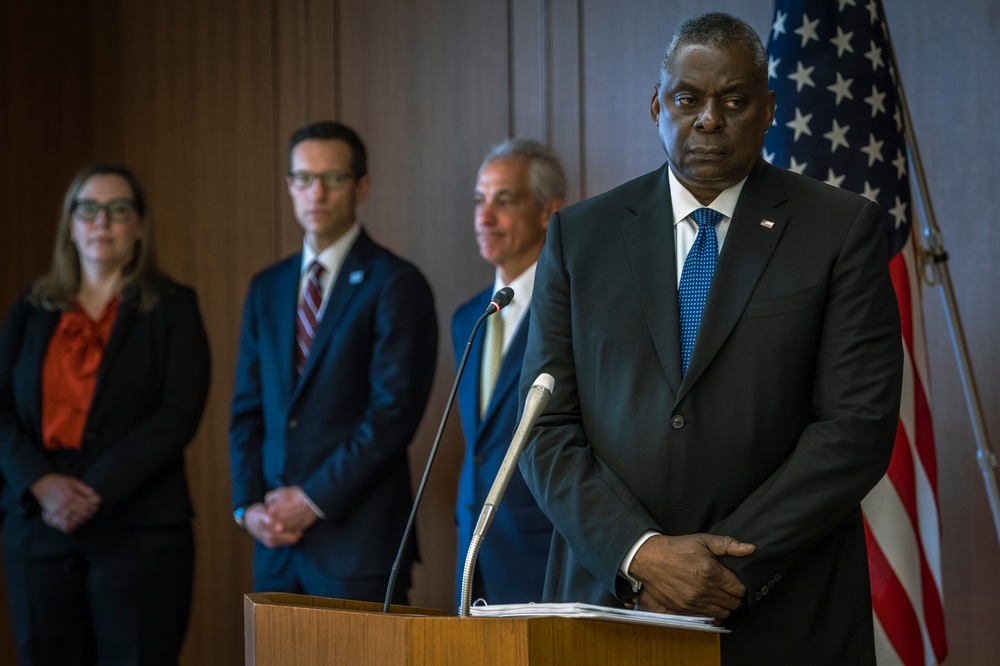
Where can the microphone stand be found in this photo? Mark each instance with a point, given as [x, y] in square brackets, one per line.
[538, 397]
[501, 299]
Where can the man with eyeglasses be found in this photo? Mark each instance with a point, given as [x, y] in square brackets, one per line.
[336, 359]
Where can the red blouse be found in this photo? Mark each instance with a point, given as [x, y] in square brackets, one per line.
[69, 374]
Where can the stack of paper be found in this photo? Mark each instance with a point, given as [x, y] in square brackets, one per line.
[593, 612]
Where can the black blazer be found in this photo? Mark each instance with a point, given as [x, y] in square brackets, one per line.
[150, 392]
[783, 423]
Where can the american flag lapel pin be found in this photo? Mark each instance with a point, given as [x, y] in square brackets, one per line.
[767, 224]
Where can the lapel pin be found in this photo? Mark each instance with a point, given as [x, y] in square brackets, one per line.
[767, 224]
[356, 277]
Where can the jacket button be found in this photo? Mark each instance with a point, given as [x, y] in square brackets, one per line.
[293, 424]
[677, 421]
[477, 460]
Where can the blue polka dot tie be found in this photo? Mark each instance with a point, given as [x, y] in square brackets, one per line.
[696, 278]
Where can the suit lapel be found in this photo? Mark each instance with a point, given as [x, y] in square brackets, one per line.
[468, 399]
[350, 279]
[749, 246]
[128, 310]
[38, 335]
[510, 370]
[275, 312]
[649, 242]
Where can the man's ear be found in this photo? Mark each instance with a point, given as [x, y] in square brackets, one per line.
[654, 105]
[771, 106]
[363, 188]
[551, 206]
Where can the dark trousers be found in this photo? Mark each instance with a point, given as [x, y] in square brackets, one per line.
[103, 595]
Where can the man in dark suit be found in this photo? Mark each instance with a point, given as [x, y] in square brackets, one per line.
[723, 480]
[334, 370]
[520, 184]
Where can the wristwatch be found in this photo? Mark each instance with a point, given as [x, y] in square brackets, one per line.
[239, 515]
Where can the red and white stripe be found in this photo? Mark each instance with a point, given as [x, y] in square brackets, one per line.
[902, 525]
[307, 317]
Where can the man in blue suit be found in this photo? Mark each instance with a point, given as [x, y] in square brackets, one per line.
[335, 366]
[520, 185]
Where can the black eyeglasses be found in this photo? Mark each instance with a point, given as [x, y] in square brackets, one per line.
[116, 210]
[332, 180]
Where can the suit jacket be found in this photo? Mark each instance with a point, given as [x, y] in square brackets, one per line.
[782, 424]
[341, 431]
[150, 392]
[512, 557]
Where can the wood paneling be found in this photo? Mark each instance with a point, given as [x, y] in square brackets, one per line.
[44, 138]
[186, 92]
[199, 99]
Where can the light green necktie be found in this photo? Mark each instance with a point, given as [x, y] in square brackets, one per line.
[492, 354]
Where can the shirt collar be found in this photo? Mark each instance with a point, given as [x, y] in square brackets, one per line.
[333, 256]
[522, 285]
[684, 203]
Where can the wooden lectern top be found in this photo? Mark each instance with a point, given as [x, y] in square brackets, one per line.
[298, 630]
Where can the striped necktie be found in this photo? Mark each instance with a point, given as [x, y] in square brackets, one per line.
[307, 318]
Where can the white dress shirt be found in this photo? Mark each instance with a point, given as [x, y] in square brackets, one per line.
[685, 231]
[331, 258]
[512, 315]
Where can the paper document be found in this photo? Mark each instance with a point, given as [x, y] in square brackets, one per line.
[593, 612]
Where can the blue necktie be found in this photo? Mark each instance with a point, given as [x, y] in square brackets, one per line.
[696, 278]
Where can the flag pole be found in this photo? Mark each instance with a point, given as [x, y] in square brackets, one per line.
[934, 258]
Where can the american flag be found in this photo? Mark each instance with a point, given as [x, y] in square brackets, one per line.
[839, 120]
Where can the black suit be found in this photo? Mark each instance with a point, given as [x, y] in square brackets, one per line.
[132, 563]
[782, 424]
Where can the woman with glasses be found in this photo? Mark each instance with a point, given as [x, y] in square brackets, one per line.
[104, 371]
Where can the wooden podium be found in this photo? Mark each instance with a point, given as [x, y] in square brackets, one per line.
[283, 629]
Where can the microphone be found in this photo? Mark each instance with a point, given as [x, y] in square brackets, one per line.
[538, 397]
[501, 299]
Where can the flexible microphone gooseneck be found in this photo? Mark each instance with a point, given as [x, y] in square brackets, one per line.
[500, 300]
[534, 404]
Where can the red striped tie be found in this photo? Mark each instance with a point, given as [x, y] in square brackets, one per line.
[308, 315]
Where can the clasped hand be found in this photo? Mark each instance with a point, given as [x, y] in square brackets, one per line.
[282, 518]
[682, 575]
[66, 501]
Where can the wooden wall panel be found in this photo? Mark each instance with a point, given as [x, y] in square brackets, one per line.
[564, 95]
[200, 97]
[44, 139]
[421, 84]
[183, 103]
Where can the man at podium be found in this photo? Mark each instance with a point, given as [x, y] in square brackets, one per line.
[719, 415]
